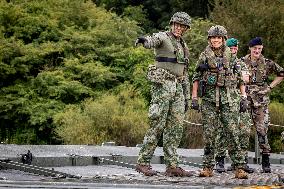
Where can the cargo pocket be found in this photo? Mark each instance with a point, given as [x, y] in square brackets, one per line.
[154, 111]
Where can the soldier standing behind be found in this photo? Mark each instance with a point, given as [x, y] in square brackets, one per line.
[258, 89]
[169, 92]
[244, 121]
[220, 79]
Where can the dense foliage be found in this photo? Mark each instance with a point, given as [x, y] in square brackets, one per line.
[56, 53]
[71, 75]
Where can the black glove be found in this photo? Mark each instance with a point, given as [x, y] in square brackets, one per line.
[194, 104]
[186, 107]
[243, 104]
[202, 67]
[140, 40]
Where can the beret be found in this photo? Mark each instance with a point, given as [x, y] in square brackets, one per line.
[232, 42]
[255, 41]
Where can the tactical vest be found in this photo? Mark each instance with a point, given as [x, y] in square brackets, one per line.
[220, 77]
[257, 69]
[172, 55]
[220, 72]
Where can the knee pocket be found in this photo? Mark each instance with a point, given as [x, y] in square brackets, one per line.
[154, 111]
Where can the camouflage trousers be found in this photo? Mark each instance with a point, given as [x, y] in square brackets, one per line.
[226, 131]
[166, 115]
[261, 121]
[243, 132]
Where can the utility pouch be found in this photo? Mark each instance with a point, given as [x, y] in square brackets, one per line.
[154, 75]
[211, 78]
[160, 75]
[221, 78]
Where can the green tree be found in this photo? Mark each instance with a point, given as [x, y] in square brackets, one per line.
[247, 19]
[119, 117]
[55, 53]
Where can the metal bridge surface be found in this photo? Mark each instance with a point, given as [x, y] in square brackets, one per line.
[80, 166]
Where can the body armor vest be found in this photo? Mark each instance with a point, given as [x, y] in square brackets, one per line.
[220, 72]
[172, 55]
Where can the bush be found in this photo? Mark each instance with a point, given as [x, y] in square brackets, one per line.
[119, 117]
[276, 112]
[193, 134]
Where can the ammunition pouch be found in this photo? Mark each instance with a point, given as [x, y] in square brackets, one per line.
[221, 78]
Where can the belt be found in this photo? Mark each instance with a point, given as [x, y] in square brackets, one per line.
[257, 83]
[166, 59]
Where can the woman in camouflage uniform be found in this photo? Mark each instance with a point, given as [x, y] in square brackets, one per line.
[220, 79]
[169, 77]
[244, 120]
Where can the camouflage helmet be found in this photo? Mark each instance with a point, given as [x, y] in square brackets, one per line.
[217, 31]
[181, 18]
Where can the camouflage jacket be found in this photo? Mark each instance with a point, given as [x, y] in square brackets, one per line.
[259, 72]
[222, 78]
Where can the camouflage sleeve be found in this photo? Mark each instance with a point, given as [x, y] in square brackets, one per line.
[275, 68]
[197, 75]
[155, 40]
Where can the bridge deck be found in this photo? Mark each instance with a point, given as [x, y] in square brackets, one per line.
[81, 160]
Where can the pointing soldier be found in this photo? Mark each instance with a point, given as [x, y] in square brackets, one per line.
[169, 91]
[258, 89]
[221, 80]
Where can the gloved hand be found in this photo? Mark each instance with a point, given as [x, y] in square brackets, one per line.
[140, 40]
[186, 107]
[265, 91]
[194, 104]
[243, 104]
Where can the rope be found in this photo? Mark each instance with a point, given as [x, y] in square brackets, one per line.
[199, 124]
[276, 125]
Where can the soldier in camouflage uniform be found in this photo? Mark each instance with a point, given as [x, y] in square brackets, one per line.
[169, 92]
[220, 80]
[258, 89]
[244, 121]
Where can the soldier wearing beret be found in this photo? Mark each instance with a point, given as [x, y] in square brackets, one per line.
[258, 90]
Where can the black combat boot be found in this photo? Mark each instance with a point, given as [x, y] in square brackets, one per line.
[246, 167]
[220, 164]
[265, 163]
[231, 168]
